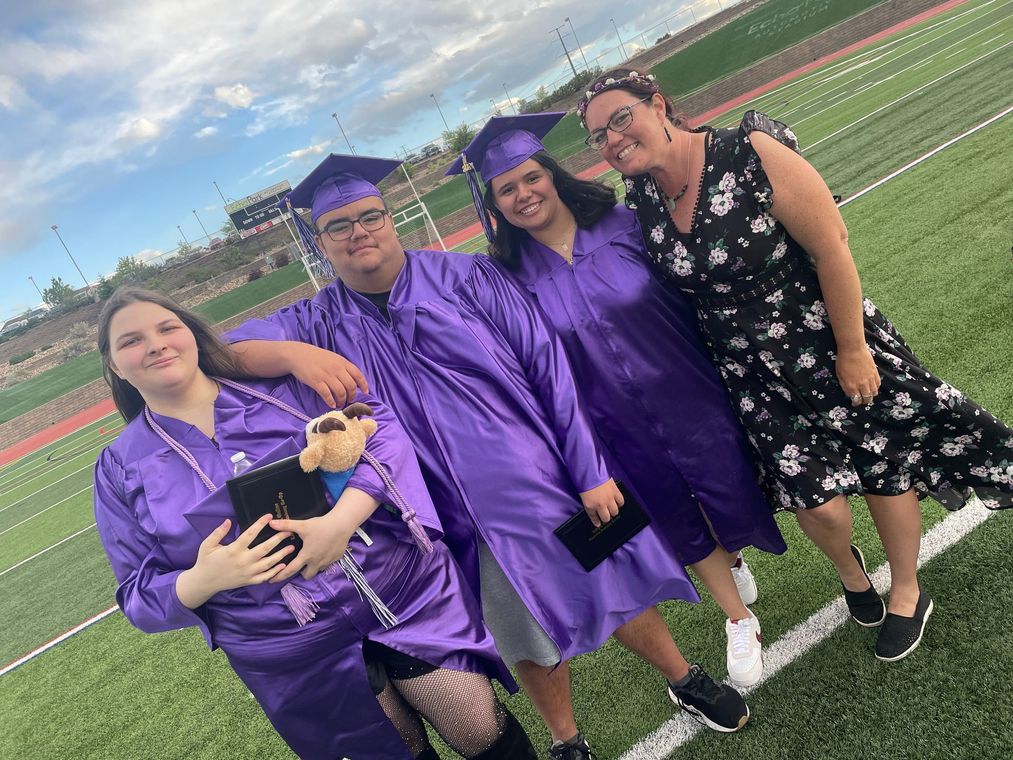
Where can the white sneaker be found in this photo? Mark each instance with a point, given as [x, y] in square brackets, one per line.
[745, 582]
[745, 651]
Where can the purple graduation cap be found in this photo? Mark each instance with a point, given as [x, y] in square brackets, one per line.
[505, 142]
[337, 181]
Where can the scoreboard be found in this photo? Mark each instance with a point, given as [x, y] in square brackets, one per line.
[259, 211]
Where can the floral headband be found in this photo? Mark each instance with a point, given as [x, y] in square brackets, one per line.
[644, 80]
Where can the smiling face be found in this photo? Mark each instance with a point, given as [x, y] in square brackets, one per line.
[642, 145]
[151, 348]
[367, 260]
[526, 196]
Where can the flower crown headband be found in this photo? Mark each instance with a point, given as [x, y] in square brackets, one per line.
[644, 80]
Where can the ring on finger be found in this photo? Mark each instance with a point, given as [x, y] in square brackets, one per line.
[857, 397]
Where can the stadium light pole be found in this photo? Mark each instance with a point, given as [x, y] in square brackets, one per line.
[342, 129]
[568, 59]
[54, 229]
[36, 287]
[182, 235]
[220, 195]
[510, 100]
[495, 108]
[200, 223]
[586, 67]
[621, 45]
[440, 110]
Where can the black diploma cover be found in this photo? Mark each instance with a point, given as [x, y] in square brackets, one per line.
[590, 545]
[282, 489]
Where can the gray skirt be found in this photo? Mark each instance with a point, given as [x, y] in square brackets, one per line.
[517, 634]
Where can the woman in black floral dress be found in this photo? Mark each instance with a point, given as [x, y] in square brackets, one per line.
[833, 400]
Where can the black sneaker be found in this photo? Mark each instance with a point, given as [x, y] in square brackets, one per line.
[866, 607]
[900, 635]
[717, 706]
[577, 749]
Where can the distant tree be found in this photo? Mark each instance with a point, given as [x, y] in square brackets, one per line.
[80, 340]
[183, 248]
[228, 228]
[130, 270]
[105, 287]
[58, 293]
[457, 139]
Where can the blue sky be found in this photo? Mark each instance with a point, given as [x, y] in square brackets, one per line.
[116, 116]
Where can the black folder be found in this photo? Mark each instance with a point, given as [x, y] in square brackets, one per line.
[590, 545]
[281, 488]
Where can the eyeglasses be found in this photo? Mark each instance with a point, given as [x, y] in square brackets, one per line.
[619, 122]
[342, 229]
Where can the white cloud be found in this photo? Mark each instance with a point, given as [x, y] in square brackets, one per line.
[11, 93]
[312, 150]
[205, 132]
[148, 254]
[237, 95]
[139, 130]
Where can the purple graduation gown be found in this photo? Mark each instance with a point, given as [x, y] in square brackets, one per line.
[656, 400]
[484, 389]
[311, 680]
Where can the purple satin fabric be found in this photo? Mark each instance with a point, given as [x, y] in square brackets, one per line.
[310, 681]
[485, 392]
[656, 400]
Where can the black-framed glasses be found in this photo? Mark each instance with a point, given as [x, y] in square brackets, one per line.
[341, 229]
[619, 122]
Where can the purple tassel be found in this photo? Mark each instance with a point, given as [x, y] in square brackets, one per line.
[299, 603]
[417, 531]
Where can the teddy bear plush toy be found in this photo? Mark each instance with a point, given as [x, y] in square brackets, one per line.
[335, 442]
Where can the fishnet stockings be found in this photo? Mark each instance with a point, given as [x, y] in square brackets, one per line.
[462, 707]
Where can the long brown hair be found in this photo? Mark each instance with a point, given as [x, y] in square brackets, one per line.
[213, 356]
[588, 201]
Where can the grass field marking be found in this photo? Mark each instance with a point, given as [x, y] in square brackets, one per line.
[89, 450]
[924, 157]
[82, 438]
[894, 75]
[926, 62]
[40, 553]
[62, 637]
[958, 51]
[877, 47]
[905, 96]
[48, 485]
[41, 511]
[679, 729]
[962, 40]
[998, 36]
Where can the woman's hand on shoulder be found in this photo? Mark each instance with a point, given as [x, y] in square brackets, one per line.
[220, 567]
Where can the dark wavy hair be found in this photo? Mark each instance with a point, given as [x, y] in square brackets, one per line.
[673, 114]
[214, 357]
[587, 200]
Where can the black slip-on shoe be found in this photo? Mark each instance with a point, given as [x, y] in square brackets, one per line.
[717, 706]
[866, 607]
[900, 635]
[577, 749]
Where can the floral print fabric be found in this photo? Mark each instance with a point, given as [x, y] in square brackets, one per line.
[776, 353]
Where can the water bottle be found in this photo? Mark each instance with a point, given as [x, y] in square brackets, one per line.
[240, 463]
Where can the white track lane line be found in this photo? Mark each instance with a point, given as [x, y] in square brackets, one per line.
[62, 637]
[48, 548]
[18, 462]
[924, 157]
[818, 627]
[905, 97]
[43, 511]
[23, 499]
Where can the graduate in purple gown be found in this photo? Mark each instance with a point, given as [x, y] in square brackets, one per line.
[655, 399]
[338, 682]
[484, 389]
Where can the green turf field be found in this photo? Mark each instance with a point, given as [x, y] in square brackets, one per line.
[932, 246]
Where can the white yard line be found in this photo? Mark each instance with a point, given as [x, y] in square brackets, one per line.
[18, 462]
[905, 96]
[62, 637]
[806, 635]
[924, 157]
[23, 499]
[43, 511]
[58, 457]
[48, 548]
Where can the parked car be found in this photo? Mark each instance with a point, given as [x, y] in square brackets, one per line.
[431, 150]
[413, 158]
[215, 244]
